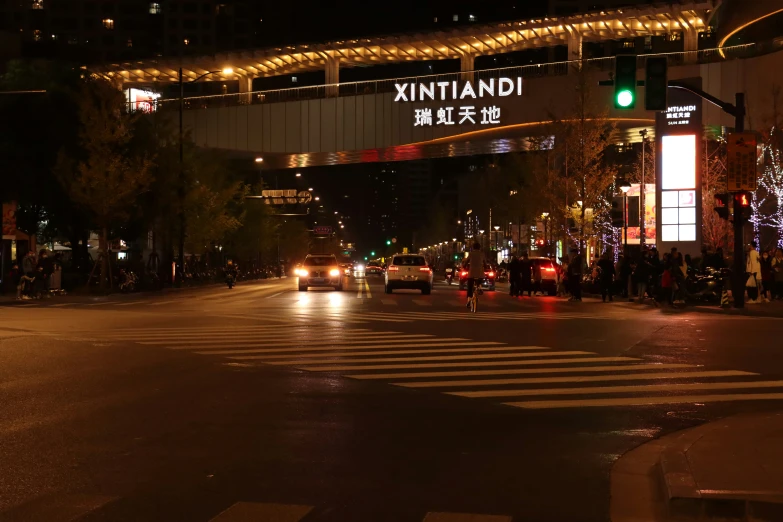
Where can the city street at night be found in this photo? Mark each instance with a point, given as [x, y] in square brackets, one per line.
[262, 401]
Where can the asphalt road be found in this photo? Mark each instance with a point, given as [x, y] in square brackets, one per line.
[264, 403]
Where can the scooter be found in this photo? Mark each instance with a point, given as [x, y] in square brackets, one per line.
[230, 280]
[449, 275]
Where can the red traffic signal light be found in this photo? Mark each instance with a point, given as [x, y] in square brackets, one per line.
[722, 205]
[742, 199]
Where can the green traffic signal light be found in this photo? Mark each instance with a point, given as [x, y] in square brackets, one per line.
[624, 99]
[365, 258]
[388, 242]
[372, 254]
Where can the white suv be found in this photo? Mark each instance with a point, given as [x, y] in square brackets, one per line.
[320, 270]
[408, 271]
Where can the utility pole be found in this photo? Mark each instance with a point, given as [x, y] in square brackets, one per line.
[181, 187]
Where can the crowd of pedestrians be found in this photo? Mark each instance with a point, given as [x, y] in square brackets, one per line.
[648, 276]
[36, 276]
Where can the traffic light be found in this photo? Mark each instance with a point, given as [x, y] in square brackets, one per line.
[372, 253]
[742, 205]
[722, 205]
[625, 82]
[656, 84]
[388, 242]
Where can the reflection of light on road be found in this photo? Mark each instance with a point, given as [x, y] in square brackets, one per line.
[304, 301]
[337, 299]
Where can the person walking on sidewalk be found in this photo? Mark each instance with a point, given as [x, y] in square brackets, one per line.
[777, 274]
[513, 276]
[641, 276]
[767, 277]
[526, 275]
[575, 277]
[753, 269]
[606, 277]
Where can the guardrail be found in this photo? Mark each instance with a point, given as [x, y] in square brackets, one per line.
[525, 71]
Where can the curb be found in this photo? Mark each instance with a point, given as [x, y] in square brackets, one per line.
[686, 502]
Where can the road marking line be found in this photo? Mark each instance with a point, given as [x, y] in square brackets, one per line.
[333, 348]
[200, 332]
[60, 304]
[259, 512]
[464, 517]
[367, 289]
[303, 345]
[96, 304]
[388, 301]
[159, 303]
[173, 330]
[359, 293]
[577, 379]
[132, 303]
[422, 302]
[346, 359]
[464, 364]
[646, 401]
[337, 347]
[275, 295]
[671, 387]
[303, 337]
[340, 352]
[526, 371]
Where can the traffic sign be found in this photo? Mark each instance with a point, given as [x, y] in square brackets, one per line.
[322, 231]
[304, 196]
[741, 161]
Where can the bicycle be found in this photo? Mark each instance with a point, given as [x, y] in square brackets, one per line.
[474, 298]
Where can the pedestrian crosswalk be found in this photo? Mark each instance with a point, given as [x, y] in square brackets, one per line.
[520, 376]
[82, 506]
[462, 315]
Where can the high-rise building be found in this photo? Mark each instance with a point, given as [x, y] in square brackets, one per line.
[114, 30]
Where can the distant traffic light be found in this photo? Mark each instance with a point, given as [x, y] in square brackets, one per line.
[372, 253]
[365, 258]
[722, 205]
[625, 82]
[388, 242]
[656, 84]
[742, 204]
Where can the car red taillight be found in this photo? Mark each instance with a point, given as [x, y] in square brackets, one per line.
[490, 274]
[424, 269]
[463, 273]
[550, 269]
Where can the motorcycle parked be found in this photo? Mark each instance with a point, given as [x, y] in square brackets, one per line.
[449, 275]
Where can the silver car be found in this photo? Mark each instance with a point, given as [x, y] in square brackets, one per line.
[408, 271]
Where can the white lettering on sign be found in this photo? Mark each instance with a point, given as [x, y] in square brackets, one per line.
[680, 115]
[423, 117]
[467, 113]
[444, 116]
[459, 90]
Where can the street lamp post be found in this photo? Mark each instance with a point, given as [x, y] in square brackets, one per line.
[181, 189]
[625, 186]
[545, 215]
[497, 238]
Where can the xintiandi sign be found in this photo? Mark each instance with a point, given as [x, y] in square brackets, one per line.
[462, 103]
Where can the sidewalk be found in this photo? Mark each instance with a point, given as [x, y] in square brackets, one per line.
[731, 469]
[774, 309]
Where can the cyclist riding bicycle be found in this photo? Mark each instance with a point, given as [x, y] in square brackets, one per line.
[475, 265]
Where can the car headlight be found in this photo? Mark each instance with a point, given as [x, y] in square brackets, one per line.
[334, 272]
[303, 273]
[359, 268]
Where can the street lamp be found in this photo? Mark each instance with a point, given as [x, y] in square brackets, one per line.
[298, 174]
[625, 187]
[181, 189]
[497, 229]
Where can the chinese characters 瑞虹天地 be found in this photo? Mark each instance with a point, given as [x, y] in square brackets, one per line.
[466, 115]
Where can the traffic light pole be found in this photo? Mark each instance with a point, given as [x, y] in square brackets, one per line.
[738, 111]
[738, 279]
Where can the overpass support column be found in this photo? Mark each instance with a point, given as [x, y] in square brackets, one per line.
[690, 40]
[332, 76]
[467, 64]
[574, 45]
[245, 88]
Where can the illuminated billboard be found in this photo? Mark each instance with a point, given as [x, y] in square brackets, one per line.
[141, 100]
[678, 165]
[678, 192]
